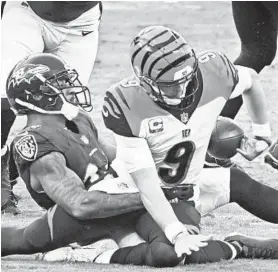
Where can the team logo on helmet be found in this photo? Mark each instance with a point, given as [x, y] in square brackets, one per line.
[26, 73]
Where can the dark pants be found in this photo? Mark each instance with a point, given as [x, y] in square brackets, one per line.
[257, 27]
[7, 120]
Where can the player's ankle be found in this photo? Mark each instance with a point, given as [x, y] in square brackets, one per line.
[105, 257]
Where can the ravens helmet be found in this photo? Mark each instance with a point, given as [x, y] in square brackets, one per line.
[45, 84]
[165, 65]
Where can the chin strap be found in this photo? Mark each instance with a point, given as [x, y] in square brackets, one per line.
[69, 111]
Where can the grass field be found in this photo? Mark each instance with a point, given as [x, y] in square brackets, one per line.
[206, 25]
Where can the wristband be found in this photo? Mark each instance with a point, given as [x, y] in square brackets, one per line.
[173, 230]
[261, 130]
[266, 139]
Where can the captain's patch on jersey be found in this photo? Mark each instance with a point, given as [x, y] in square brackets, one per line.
[27, 147]
[156, 125]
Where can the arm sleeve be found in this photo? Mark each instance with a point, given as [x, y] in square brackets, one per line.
[114, 117]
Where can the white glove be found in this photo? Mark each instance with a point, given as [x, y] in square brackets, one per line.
[185, 243]
[253, 147]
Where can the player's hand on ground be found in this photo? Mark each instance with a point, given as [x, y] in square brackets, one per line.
[186, 243]
[250, 148]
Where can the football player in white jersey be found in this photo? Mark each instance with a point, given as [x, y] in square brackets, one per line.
[162, 118]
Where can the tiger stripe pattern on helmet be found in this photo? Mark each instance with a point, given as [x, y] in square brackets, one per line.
[158, 53]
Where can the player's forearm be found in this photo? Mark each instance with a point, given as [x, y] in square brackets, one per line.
[153, 198]
[96, 204]
[159, 208]
[255, 101]
[256, 105]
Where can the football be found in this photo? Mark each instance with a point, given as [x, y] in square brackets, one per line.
[225, 139]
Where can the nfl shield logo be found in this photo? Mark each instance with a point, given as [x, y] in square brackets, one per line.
[184, 117]
[84, 139]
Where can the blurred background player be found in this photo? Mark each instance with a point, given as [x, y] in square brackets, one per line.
[258, 35]
[68, 29]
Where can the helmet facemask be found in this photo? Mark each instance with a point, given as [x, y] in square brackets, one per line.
[177, 94]
[44, 83]
[67, 85]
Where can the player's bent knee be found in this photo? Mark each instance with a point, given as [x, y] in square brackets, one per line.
[187, 214]
[161, 255]
[254, 58]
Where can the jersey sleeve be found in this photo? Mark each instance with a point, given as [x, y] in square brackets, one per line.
[218, 72]
[29, 146]
[118, 113]
[229, 73]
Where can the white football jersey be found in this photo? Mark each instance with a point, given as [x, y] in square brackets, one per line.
[177, 139]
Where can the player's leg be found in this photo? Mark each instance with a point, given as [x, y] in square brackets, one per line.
[215, 251]
[21, 36]
[253, 196]
[57, 229]
[214, 184]
[258, 36]
[254, 247]
[8, 200]
[78, 42]
[6, 203]
[133, 249]
[220, 186]
[53, 230]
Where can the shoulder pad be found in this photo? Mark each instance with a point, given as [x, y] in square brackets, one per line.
[218, 64]
[31, 145]
[120, 114]
[113, 114]
[126, 105]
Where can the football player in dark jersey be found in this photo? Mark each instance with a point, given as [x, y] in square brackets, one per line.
[59, 155]
[68, 29]
[258, 35]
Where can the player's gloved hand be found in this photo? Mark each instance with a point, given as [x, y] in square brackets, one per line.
[185, 243]
[250, 148]
[271, 156]
[181, 192]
